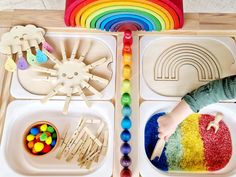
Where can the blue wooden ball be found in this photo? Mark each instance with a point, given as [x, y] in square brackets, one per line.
[125, 148]
[126, 111]
[126, 123]
[125, 136]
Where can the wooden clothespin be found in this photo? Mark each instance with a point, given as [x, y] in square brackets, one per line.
[74, 135]
[63, 142]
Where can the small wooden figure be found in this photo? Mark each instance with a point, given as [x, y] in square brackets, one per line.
[215, 123]
[158, 149]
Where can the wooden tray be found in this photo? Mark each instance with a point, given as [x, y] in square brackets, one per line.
[195, 25]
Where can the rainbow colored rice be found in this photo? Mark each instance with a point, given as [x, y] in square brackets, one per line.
[191, 148]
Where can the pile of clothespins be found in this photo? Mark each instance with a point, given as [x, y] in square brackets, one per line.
[87, 144]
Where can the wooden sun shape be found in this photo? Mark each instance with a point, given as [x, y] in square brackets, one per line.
[72, 75]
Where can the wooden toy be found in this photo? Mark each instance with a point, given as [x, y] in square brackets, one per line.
[118, 15]
[20, 39]
[198, 25]
[70, 75]
[84, 144]
[158, 149]
[215, 123]
[172, 62]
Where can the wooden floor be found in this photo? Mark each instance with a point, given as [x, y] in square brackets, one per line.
[216, 6]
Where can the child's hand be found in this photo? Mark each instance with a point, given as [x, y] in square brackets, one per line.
[167, 126]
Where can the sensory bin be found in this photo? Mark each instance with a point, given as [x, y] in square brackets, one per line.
[191, 149]
[21, 162]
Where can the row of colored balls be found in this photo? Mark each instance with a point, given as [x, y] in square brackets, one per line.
[41, 138]
[126, 123]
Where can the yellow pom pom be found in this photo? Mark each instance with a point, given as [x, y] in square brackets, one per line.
[43, 127]
[48, 140]
[30, 137]
[38, 147]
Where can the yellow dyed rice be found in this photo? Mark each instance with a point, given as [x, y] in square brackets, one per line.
[192, 144]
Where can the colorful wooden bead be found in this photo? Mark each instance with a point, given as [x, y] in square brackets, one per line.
[126, 111]
[30, 137]
[127, 59]
[125, 148]
[43, 127]
[38, 147]
[34, 131]
[126, 99]
[128, 39]
[127, 49]
[127, 72]
[126, 123]
[125, 161]
[126, 86]
[125, 136]
[126, 173]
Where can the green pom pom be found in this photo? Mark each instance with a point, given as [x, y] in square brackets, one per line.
[43, 137]
[54, 135]
[50, 129]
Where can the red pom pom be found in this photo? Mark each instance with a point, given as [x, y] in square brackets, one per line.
[46, 148]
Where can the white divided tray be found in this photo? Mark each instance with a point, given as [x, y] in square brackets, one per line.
[148, 108]
[170, 67]
[28, 84]
[15, 161]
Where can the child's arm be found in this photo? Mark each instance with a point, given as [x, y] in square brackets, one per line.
[223, 89]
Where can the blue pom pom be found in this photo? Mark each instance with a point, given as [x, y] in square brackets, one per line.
[34, 131]
[53, 143]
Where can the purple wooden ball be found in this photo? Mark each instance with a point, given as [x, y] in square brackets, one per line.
[125, 161]
[125, 148]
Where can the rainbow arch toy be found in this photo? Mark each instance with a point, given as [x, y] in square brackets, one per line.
[118, 15]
